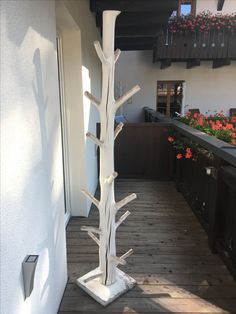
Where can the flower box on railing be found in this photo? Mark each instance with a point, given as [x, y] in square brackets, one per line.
[204, 22]
[223, 150]
[203, 37]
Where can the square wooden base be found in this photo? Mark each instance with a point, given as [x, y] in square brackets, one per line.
[90, 283]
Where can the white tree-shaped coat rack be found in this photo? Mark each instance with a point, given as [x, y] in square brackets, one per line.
[107, 282]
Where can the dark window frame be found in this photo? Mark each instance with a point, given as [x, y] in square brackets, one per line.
[168, 95]
[191, 2]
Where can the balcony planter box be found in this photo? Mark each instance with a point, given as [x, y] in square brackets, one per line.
[221, 149]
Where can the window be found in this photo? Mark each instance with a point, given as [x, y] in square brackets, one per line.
[187, 7]
[169, 97]
[64, 135]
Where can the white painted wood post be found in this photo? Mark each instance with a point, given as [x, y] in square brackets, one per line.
[107, 282]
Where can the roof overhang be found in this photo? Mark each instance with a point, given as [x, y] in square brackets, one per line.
[139, 23]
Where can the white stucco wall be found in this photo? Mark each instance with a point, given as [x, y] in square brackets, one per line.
[82, 71]
[211, 5]
[32, 203]
[205, 88]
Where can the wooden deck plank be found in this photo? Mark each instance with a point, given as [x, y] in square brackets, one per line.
[152, 305]
[173, 266]
[158, 259]
[159, 268]
[187, 291]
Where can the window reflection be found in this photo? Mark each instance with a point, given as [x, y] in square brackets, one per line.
[169, 97]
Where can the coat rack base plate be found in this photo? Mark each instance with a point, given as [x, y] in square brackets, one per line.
[90, 283]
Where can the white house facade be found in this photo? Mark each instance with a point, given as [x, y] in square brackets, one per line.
[41, 121]
[204, 88]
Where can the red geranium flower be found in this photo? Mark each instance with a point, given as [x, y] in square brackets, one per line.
[170, 139]
[188, 155]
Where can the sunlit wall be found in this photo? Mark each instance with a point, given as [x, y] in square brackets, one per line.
[32, 204]
[82, 72]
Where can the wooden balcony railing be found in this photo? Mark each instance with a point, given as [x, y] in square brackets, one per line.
[211, 194]
[192, 48]
[208, 184]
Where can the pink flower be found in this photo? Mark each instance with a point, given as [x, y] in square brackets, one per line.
[170, 139]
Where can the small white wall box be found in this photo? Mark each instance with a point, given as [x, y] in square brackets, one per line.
[29, 266]
[211, 171]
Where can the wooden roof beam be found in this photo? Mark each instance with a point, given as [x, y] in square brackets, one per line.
[192, 63]
[165, 64]
[218, 63]
[149, 31]
[134, 47]
[133, 5]
[220, 5]
[135, 43]
[137, 19]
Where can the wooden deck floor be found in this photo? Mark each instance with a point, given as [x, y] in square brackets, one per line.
[174, 269]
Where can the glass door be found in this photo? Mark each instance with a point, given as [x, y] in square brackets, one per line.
[169, 97]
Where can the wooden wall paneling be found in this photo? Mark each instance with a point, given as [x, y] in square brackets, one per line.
[217, 208]
[142, 151]
[190, 47]
[220, 5]
[226, 232]
[232, 46]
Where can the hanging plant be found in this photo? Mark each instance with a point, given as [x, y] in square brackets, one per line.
[186, 148]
